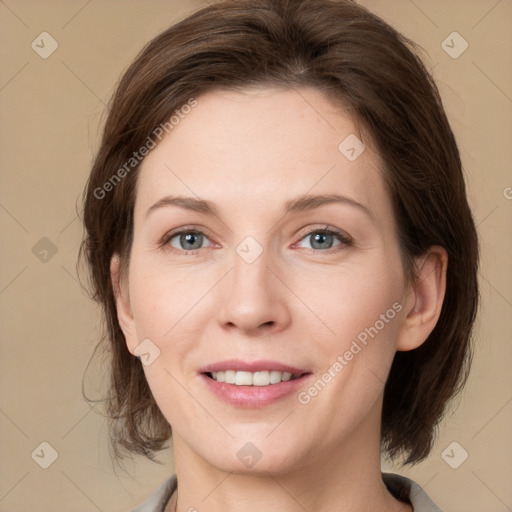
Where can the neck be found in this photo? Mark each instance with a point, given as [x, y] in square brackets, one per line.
[342, 478]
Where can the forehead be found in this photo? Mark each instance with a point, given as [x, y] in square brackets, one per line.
[259, 146]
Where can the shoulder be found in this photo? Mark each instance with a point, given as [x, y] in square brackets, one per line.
[402, 487]
[159, 497]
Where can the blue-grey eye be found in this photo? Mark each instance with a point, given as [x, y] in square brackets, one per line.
[187, 240]
[323, 239]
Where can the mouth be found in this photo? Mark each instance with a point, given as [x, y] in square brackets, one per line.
[253, 384]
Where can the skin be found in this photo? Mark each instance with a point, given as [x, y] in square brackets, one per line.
[249, 152]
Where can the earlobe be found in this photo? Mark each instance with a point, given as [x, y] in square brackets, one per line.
[124, 312]
[426, 299]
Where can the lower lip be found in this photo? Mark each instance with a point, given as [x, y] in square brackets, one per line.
[253, 396]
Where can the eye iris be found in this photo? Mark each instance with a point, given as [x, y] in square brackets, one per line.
[195, 240]
[319, 238]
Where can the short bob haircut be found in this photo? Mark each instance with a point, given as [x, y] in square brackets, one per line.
[358, 61]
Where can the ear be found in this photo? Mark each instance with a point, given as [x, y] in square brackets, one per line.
[124, 312]
[425, 299]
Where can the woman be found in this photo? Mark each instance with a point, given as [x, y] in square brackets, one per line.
[278, 232]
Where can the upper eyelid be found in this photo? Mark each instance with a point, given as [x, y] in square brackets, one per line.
[308, 230]
[185, 229]
[303, 232]
[179, 231]
[325, 228]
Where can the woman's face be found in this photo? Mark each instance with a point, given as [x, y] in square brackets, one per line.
[247, 177]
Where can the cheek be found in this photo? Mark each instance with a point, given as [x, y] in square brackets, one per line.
[166, 305]
[350, 301]
[354, 344]
[163, 299]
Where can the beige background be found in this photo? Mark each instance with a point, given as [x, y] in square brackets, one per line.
[51, 109]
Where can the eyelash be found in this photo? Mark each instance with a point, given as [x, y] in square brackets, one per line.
[346, 240]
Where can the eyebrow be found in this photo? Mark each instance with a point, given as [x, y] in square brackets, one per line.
[187, 203]
[299, 204]
[310, 202]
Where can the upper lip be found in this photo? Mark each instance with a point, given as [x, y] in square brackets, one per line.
[251, 366]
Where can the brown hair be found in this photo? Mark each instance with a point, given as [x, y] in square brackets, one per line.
[342, 49]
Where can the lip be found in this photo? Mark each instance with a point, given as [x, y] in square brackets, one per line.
[253, 397]
[254, 366]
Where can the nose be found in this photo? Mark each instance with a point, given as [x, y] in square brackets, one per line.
[253, 298]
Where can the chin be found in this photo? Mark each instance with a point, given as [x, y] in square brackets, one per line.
[257, 454]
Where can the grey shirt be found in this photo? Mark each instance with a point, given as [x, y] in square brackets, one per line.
[399, 486]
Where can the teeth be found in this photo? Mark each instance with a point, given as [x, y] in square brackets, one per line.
[264, 378]
[243, 378]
